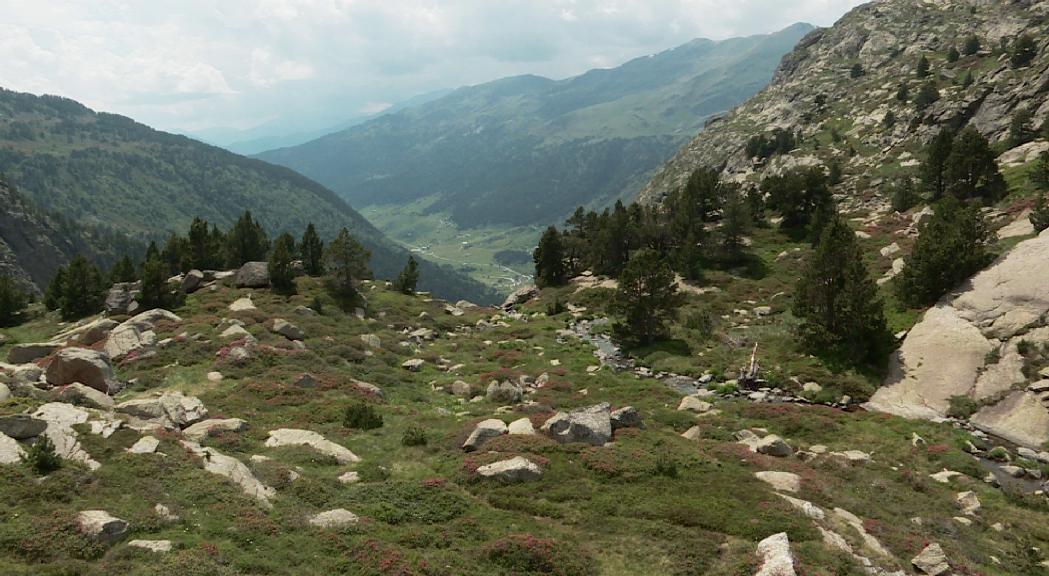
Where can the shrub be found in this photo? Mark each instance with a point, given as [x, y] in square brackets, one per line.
[414, 436]
[362, 416]
[962, 407]
[999, 454]
[528, 554]
[41, 457]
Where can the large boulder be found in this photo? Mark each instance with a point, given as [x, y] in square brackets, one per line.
[26, 353]
[22, 426]
[287, 329]
[169, 410]
[60, 419]
[136, 335]
[121, 298]
[483, 432]
[101, 526]
[191, 282]
[775, 556]
[88, 367]
[80, 395]
[591, 425]
[253, 275]
[503, 392]
[10, 451]
[87, 334]
[520, 296]
[511, 471]
[626, 417]
[293, 437]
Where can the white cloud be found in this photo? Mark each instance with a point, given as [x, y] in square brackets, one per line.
[178, 64]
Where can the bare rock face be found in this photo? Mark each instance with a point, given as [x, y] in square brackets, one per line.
[89, 367]
[25, 353]
[949, 353]
[136, 335]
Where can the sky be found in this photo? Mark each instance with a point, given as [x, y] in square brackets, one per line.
[198, 65]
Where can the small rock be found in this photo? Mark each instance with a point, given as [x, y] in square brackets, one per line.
[504, 393]
[968, 502]
[483, 432]
[236, 332]
[155, 546]
[413, 365]
[337, 518]
[287, 329]
[932, 561]
[944, 477]
[164, 513]
[776, 559]
[511, 471]
[215, 377]
[351, 477]
[242, 305]
[626, 417]
[591, 425]
[773, 445]
[5, 392]
[694, 404]
[371, 341]
[521, 427]
[1014, 471]
[145, 445]
[101, 526]
[780, 481]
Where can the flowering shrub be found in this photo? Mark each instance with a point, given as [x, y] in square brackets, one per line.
[528, 554]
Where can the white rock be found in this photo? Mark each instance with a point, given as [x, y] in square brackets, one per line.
[205, 428]
[102, 526]
[693, 404]
[780, 481]
[514, 470]
[484, 431]
[293, 437]
[60, 420]
[287, 329]
[351, 477]
[337, 518]
[145, 445]
[242, 305]
[80, 395]
[944, 476]
[521, 427]
[968, 502]
[775, 556]
[413, 365]
[236, 471]
[10, 451]
[235, 332]
[932, 561]
[155, 546]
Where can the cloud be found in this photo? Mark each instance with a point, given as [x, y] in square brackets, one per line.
[181, 64]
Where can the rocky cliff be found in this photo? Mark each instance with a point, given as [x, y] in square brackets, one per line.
[838, 89]
[31, 247]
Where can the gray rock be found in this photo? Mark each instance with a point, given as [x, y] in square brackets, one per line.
[483, 432]
[773, 445]
[413, 365]
[22, 426]
[293, 437]
[521, 427]
[626, 417]
[774, 554]
[287, 329]
[102, 526]
[192, 281]
[242, 305]
[26, 353]
[503, 393]
[511, 471]
[80, 395]
[88, 367]
[154, 546]
[520, 296]
[462, 389]
[169, 410]
[5, 392]
[591, 425]
[371, 341]
[201, 430]
[10, 451]
[694, 404]
[145, 445]
[253, 275]
[932, 561]
[337, 518]
[369, 388]
[121, 298]
[236, 471]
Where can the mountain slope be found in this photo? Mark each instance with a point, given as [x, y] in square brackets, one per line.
[814, 93]
[528, 150]
[106, 169]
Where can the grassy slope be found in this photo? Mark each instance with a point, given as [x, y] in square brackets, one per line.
[651, 503]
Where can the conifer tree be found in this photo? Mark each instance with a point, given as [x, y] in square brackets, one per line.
[856, 71]
[735, 223]
[837, 300]
[971, 45]
[950, 248]
[1039, 175]
[155, 290]
[549, 260]
[176, 254]
[82, 289]
[13, 300]
[927, 96]
[55, 290]
[282, 273]
[123, 271]
[1023, 51]
[953, 55]
[647, 298]
[346, 262]
[972, 168]
[1020, 131]
[798, 195]
[246, 242]
[204, 246]
[408, 279]
[922, 70]
[1039, 216]
[967, 80]
[933, 171]
[312, 249]
[904, 93]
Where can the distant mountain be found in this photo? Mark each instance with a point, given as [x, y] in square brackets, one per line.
[527, 149]
[104, 169]
[285, 132]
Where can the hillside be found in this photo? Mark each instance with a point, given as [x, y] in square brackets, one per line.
[106, 169]
[839, 95]
[237, 450]
[525, 151]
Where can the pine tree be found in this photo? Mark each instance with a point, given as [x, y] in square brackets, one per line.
[549, 260]
[904, 196]
[13, 300]
[904, 93]
[155, 290]
[934, 168]
[967, 80]
[408, 279]
[972, 168]
[281, 270]
[1019, 128]
[151, 252]
[797, 195]
[246, 242]
[1023, 51]
[971, 46]
[204, 246]
[1039, 216]
[312, 249]
[55, 290]
[176, 254]
[123, 271]
[837, 301]
[927, 96]
[922, 69]
[1039, 174]
[735, 223]
[953, 55]
[646, 298]
[856, 71]
[346, 262]
[82, 290]
[889, 120]
[950, 248]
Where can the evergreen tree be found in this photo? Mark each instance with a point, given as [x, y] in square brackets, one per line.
[953, 55]
[281, 270]
[408, 279]
[549, 260]
[904, 196]
[1022, 51]
[1020, 131]
[967, 80]
[204, 246]
[346, 262]
[151, 251]
[934, 168]
[689, 257]
[82, 289]
[834, 173]
[176, 255]
[55, 290]
[312, 249]
[246, 242]
[927, 96]
[972, 168]
[1039, 216]
[13, 300]
[735, 223]
[155, 290]
[950, 248]
[856, 71]
[123, 271]
[646, 298]
[889, 120]
[797, 195]
[971, 45]
[1039, 175]
[922, 70]
[904, 93]
[837, 301]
